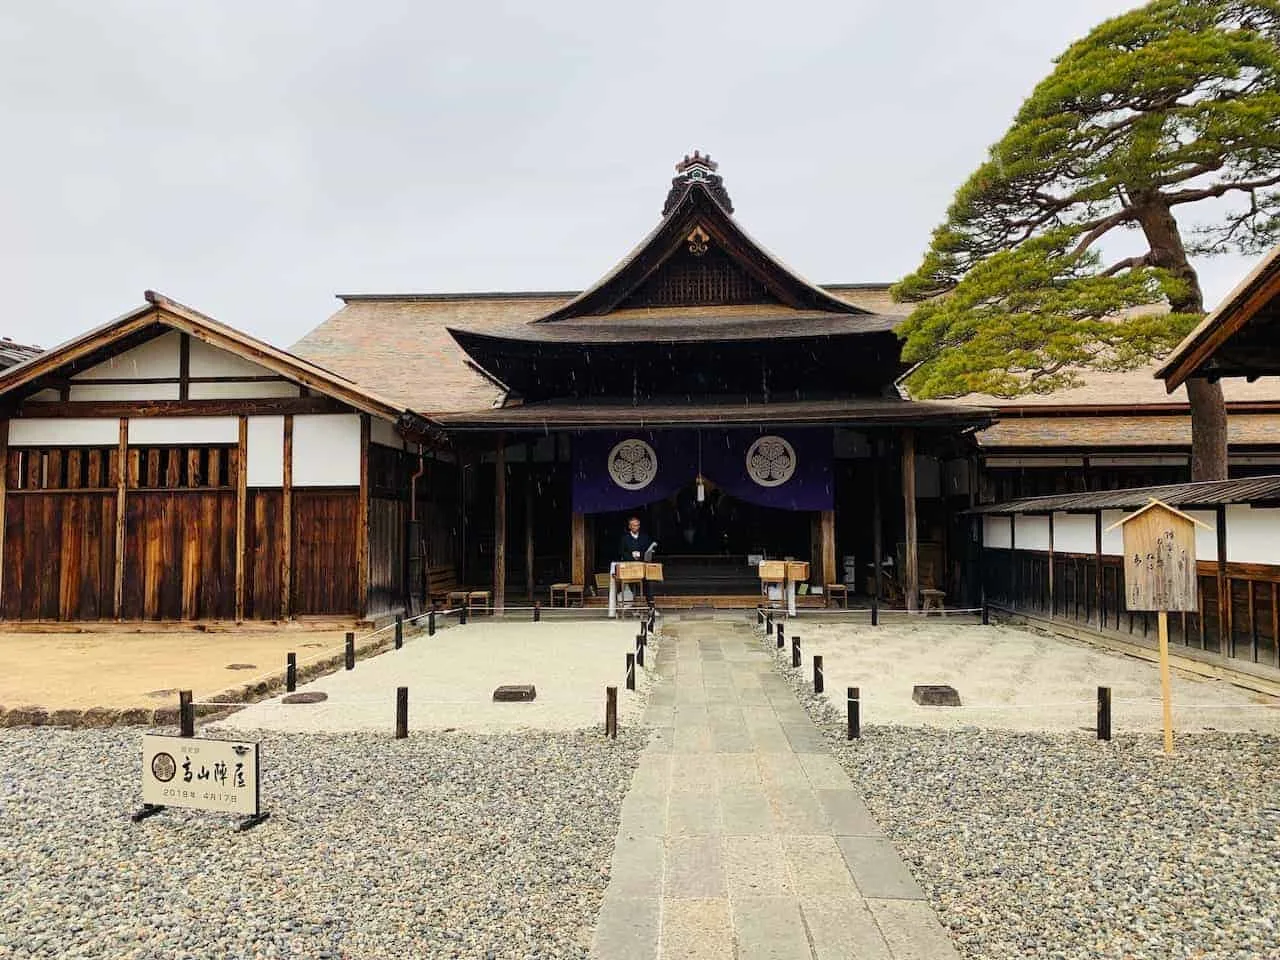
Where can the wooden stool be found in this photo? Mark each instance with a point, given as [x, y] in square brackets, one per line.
[840, 590]
[933, 601]
[484, 597]
[458, 598]
[560, 588]
[574, 590]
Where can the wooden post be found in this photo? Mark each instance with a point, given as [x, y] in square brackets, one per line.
[911, 571]
[286, 533]
[184, 366]
[611, 712]
[242, 479]
[1014, 580]
[362, 523]
[877, 535]
[828, 527]
[579, 549]
[1104, 713]
[1053, 608]
[1166, 686]
[4, 485]
[529, 584]
[402, 713]
[121, 477]
[1224, 585]
[500, 524]
[1097, 568]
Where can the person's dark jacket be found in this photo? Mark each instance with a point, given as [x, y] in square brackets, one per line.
[629, 546]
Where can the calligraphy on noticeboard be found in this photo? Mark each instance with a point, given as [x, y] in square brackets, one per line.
[1160, 559]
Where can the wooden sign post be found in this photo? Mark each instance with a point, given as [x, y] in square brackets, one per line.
[1160, 575]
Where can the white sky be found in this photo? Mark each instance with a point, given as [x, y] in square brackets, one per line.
[254, 159]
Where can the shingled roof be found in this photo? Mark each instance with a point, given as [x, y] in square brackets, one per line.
[11, 353]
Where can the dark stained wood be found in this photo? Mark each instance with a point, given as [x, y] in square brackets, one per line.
[180, 555]
[120, 478]
[324, 571]
[1225, 641]
[578, 549]
[153, 468]
[75, 464]
[53, 469]
[184, 366]
[877, 527]
[59, 556]
[242, 473]
[1097, 569]
[286, 521]
[529, 502]
[500, 524]
[362, 521]
[264, 532]
[253, 406]
[827, 527]
[387, 528]
[911, 573]
[4, 486]
[194, 477]
[1053, 606]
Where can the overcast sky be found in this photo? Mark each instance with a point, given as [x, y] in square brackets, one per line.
[254, 159]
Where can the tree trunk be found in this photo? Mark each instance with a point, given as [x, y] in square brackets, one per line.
[1208, 409]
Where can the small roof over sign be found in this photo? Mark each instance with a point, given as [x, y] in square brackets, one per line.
[1164, 506]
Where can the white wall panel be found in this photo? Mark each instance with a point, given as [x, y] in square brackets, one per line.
[66, 431]
[144, 431]
[155, 358]
[264, 449]
[123, 391]
[995, 531]
[1113, 541]
[210, 361]
[384, 432]
[1073, 533]
[241, 389]
[1031, 533]
[326, 450]
[1206, 536]
[1253, 535]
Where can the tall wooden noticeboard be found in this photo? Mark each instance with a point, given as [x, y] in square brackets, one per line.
[1160, 574]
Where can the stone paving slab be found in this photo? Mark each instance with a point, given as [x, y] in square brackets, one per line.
[742, 838]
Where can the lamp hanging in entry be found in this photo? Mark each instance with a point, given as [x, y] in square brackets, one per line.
[702, 490]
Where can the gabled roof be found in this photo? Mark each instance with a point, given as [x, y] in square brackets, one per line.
[160, 311]
[697, 218]
[1238, 339]
[12, 353]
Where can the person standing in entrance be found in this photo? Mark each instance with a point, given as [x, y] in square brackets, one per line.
[637, 546]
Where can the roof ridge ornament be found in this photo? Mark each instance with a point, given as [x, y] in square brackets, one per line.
[697, 169]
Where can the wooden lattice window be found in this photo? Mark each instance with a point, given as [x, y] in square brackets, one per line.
[702, 280]
[98, 468]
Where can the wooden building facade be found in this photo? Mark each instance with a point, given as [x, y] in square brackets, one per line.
[167, 467]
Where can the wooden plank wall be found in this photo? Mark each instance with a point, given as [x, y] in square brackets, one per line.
[387, 528]
[325, 541]
[264, 545]
[59, 556]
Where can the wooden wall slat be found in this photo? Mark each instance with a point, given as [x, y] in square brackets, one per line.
[324, 573]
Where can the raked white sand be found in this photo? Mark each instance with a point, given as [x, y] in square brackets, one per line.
[451, 678]
[1013, 679]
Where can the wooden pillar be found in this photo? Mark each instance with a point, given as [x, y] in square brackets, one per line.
[1224, 585]
[1015, 592]
[184, 366]
[286, 520]
[1053, 608]
[578, 552]
[528, 520]
[500, 524]
[877, 530]
[828, 538]
[911, 564]
[1097, 569]
[242, 480]
[122, 455]
[4, 485]
[362, 523]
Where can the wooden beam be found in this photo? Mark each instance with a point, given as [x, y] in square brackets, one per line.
[4, 485]
[1224, 584]
[828, 529]
[184, 366]
[500, 524]
[242, 496]
[911, 573]
[529, 500]
[1052, 606]
[578, 550]
[256, 406]
[286, 520]
[877, 531]
[362, 523]
[121, 482]
[1097, 568]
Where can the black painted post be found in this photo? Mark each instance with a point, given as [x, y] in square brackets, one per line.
[537, 611]
[351, 651]
[431, 624]
[631, 671]
[986, 611]
[186, 715]
[1104, 713]
[399, 631]
[875, 611]
[759, 617]
[768, 625]
[611, 712]
[290, 672]
[855, 715]
[817, 674]
[402, 712]
[462, 613]
[795, 652]
[782, 643]
[640, 650]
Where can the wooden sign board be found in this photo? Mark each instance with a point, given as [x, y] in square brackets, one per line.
[219, 775]
[1159, 559]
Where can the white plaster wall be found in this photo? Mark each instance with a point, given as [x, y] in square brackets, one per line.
[209, 361]
[1253, 535]
[1031, 533]
[155, 358]
[123, 391]
[1113, 540]
[928, 478]
[239, 390]
[995, 531]
[264, 449]
[384, 432]
[182, 431]
[65, 431]
[1073, 533]
[326, 450]
[1207, 536]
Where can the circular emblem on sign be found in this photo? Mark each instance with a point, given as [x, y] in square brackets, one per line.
[163, 767]
[771, 461]
[633, 464]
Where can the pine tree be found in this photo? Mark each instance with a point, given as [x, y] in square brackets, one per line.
[1172, 107]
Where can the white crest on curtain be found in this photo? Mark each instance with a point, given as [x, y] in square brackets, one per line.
[771, 461]
[633, 464]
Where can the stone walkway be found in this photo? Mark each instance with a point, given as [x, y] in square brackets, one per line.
[742, 837]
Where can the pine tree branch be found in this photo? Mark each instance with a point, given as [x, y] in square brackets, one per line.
[1218, 190]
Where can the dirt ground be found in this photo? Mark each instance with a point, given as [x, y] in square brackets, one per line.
[132, 669]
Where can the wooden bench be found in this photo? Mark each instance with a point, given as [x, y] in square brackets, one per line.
[837, 590]
[568, 590]
[933, 601]
[446, 592]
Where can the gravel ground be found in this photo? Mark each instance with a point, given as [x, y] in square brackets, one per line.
[1056, 846]
[444, 845]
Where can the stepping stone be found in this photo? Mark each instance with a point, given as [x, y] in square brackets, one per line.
[515, 693]
[242, 666]
[935, 695]
[311, 696]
